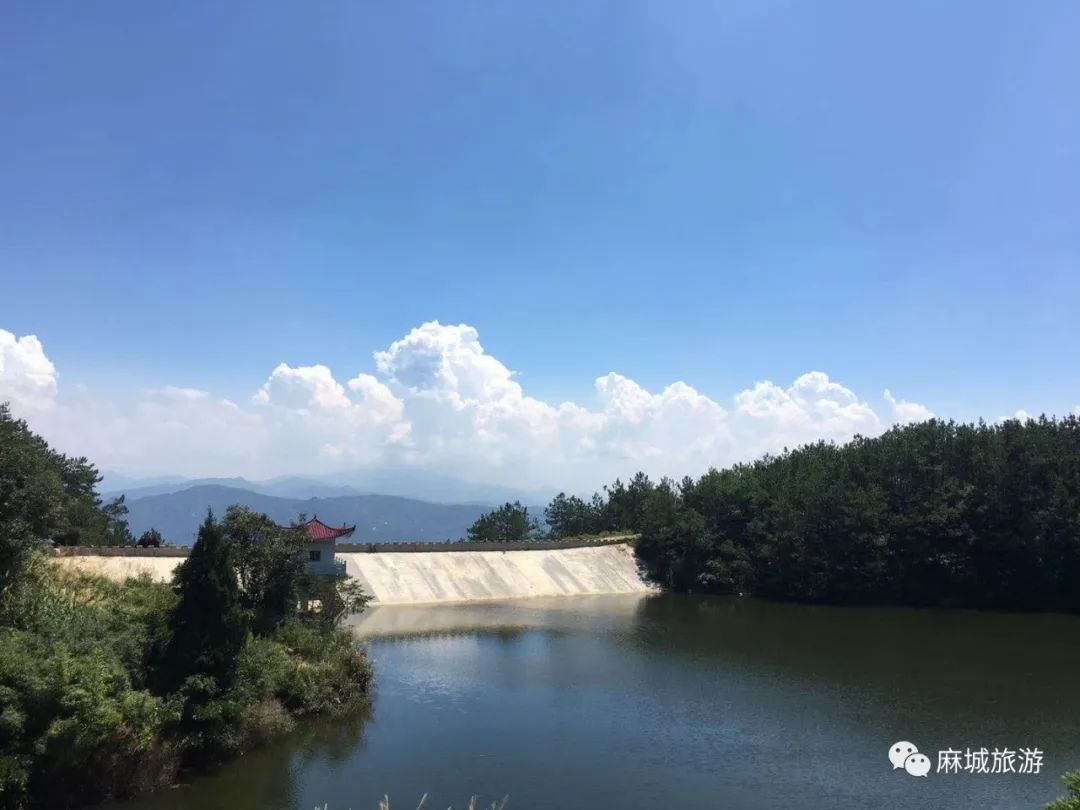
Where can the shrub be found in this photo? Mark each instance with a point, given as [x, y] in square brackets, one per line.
[1072, 800]
[329, 672]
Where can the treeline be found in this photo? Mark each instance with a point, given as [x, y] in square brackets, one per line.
[108, 689]
[617, 508]
[936, 513]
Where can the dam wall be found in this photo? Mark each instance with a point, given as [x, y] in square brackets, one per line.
[423, 577]
[409, 578]
[121, 566]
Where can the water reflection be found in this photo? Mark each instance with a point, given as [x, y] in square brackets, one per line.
[640, 702]
[493, 618]
[270, 778]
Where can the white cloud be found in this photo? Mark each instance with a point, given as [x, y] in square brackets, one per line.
[1020, 415]
[907, 412]
[768, 418]
[438, 400]
[27, 376]
[305, 389]
[185, 394]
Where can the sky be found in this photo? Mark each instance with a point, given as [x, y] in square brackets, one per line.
[532, 243]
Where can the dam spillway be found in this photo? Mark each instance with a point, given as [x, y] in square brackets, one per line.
[425, 577]
[395, 578]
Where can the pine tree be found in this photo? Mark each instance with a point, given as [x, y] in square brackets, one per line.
[209, 625]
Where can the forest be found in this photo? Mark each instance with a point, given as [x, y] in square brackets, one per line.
[936, 513]
[110, 689]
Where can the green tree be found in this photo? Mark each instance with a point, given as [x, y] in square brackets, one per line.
[1071, 801]
[44, 495]
[209, 624]
[509, 523]
[337, 596]
[117, 532]
[269, 564]
[936, 513]
[570, 516]
[151, 538]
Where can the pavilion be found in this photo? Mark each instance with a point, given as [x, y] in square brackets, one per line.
[322, 545]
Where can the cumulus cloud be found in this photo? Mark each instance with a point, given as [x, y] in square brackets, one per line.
[907, 412]
[438, 400]
[1020, 415]
[27, 376]
[768, 417]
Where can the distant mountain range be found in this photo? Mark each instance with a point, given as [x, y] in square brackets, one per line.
[284, 488]
[378, 518]
[400, 482]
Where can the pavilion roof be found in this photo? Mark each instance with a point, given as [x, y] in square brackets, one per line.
[317, 531]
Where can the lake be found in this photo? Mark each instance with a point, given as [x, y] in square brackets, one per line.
[670, 702]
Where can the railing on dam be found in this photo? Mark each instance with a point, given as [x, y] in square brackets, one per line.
[466, 545]
[122, 551]
[372, 548]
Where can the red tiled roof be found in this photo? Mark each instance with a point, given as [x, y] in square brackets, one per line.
[319, 531]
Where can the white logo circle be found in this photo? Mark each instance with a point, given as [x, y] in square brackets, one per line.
[900, 751]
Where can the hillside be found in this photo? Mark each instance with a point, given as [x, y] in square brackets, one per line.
[377, 517]
[283, 488]
[402, 483]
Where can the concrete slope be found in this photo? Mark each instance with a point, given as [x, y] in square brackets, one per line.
[465, 576]
[120, 568]
[396, 578]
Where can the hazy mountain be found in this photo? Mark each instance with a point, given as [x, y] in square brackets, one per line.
[410, 482]
[285, 487]
[400, 482]
[118, 483]
[177, 515]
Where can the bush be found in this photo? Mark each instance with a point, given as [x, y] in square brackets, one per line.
[72, 728]
[83, 720]
[107, 689]
[151, 538]
[1072, 800]
[329, 672]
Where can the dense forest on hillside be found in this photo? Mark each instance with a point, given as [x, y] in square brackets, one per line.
[936, 513]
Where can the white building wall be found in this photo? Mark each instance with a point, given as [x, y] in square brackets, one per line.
[327, 556]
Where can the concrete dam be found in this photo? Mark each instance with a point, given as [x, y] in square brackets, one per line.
[425, 577]
[394, 578]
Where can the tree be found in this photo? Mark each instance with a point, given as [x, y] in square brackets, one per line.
[44, 495]
[117, 532]
[570, 516]
[1071, 801]
[209, 625]
[337, 596]
[151, 538]
[269, 563]
[510, 523]
[935, 513]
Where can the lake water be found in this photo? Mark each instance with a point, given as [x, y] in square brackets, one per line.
[669, 702]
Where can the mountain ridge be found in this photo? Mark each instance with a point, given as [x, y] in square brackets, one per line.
[406, 483]
[378, 518]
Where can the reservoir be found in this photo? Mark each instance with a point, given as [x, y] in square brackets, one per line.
[663, 702]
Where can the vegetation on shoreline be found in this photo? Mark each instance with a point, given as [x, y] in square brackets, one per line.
[1070, 801]
[936, 513]
[509, 523]
[108, 689]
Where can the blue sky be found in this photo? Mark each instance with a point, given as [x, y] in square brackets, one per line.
[715, 193]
